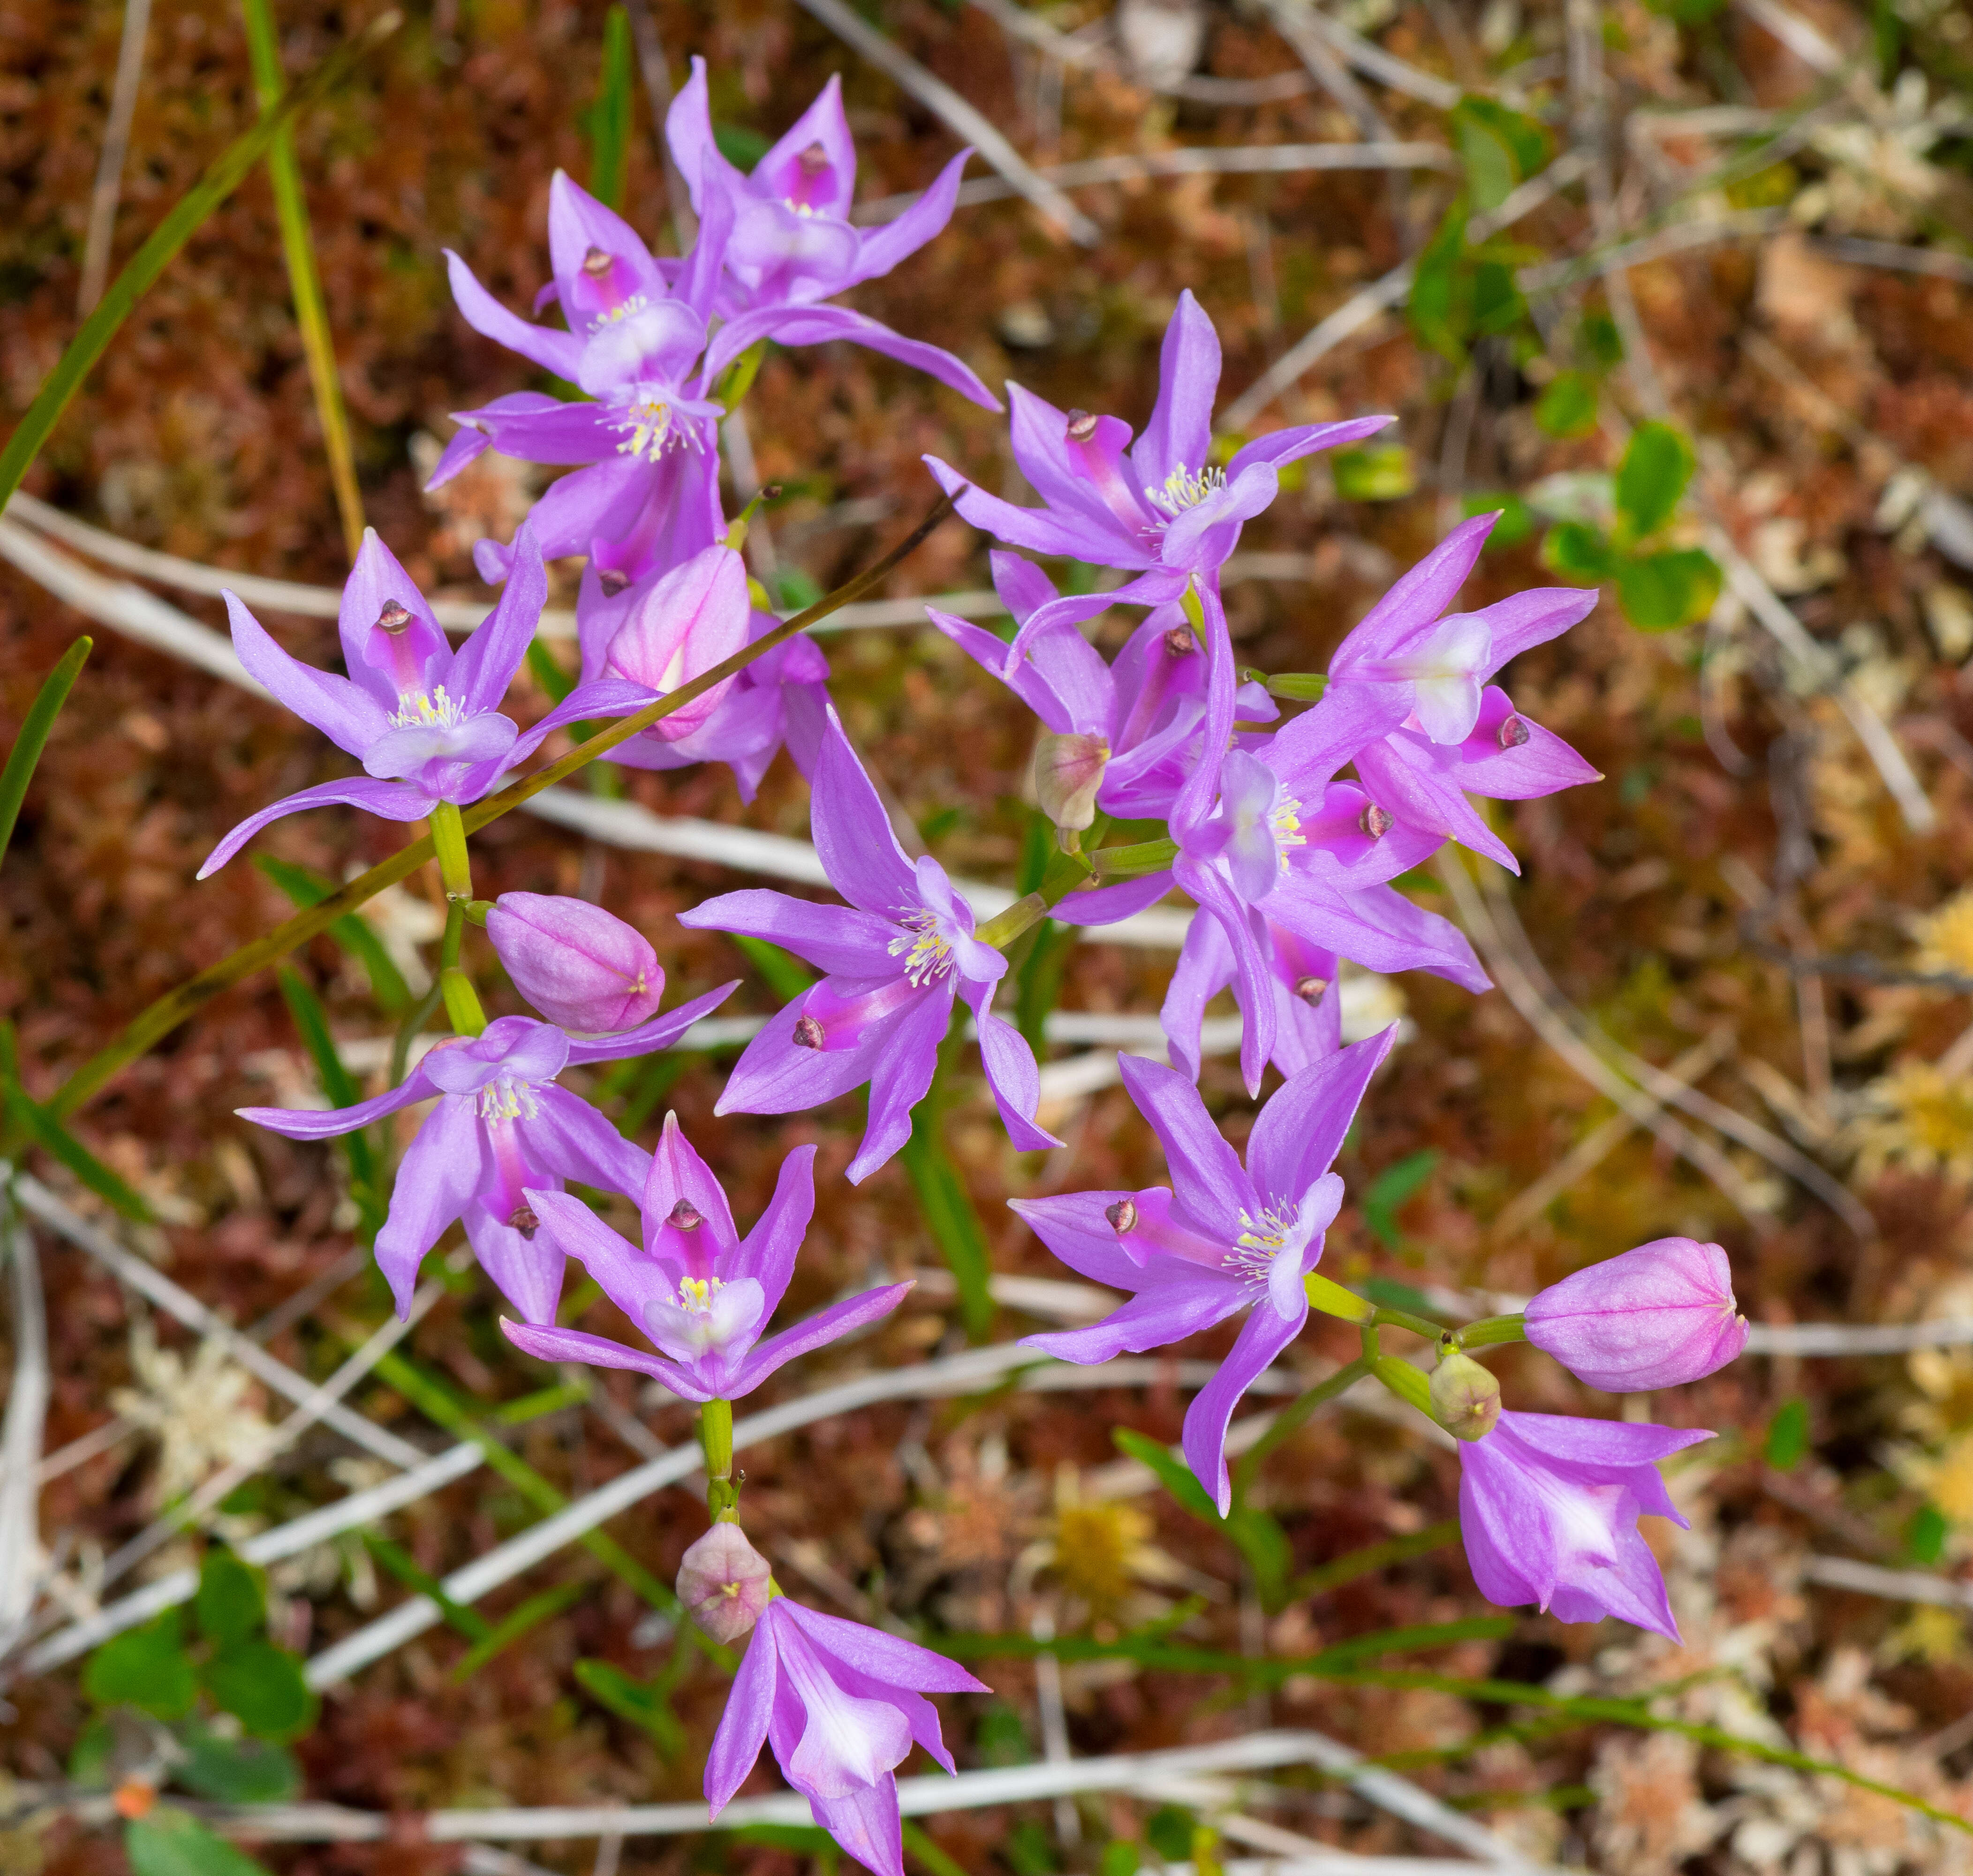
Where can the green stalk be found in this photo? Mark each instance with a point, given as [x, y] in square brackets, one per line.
[946, 1206]
[26, 752]
[311, 311]
[177, 1006]
[716, 1439]
[225, 174]
[1492, 1329]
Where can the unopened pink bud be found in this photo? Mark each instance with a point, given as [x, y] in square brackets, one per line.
[1659, 1315]
[1068, 770]
[722, 1581]
[582, 967]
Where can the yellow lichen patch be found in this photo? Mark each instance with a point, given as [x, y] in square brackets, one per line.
[1945, 937]
[1917, 1118]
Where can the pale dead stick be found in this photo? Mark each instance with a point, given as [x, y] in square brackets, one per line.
[1554, 1029]
[20, 1441]
[1595, 1146]
[160, 1289]
[102, 198]
[1778, 1152]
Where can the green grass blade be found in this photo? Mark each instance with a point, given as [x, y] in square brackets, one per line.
[469, 1622]
[311, 311]
[531, 1614]
[547, 672]
[351, 932]
[312, 1022]
[609, 115]
[26, 753]
[779, 971]
[1373, 1557]
[947, 1206]
[228, 171]
[27, 1116]
[641, 1703]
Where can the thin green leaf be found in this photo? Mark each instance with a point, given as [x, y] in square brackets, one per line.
[31, 1118]
[352, 931]
[1372, 1557]
[547, 673]
[609, 115]
[398, 1562]
[780, 971]
[169, 1843]
[531, 1614]
[548, 1400]
[945, 1204]
[26, 752]
[232, 167]
[1173, 1472]
[312, 1021]
[919, 1845]
[1387, 1193]
[1257, 1537]
[311, 311]
[643, 1704]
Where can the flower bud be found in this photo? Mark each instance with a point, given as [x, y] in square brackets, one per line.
[1465, 1397]
[580, 967]
[1657, 1316]
[1068, 770]
[722, 1581]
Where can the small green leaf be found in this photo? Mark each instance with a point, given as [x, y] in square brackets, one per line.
[783, 974]
[231, 1605]
[1657, 463]
[352, 932]
[798, 590]
[262, 1687]
[169, 1843]
[1661, 592]
[238, 1771]
[1520, 135]
[1382, 472]
[88, 1757]
[1516, 521]
[146, 1667]
[1001, 1737]
[1602, 341]
[1788, 1436]
[740, 146]
[1173, 1472]
[1568, 407]
[1574, 547]
[609, 117]
[1926, 1535]
[1498, 306]
[1440, 306]
[1386, 1194]
[1168, 1830]
[1491, 172]
[26, 752]
[544, 669]
[1121, 1857]
[634, 1701]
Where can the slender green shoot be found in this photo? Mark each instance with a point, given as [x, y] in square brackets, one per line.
[26, 753]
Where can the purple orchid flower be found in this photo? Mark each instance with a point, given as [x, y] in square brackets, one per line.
[1549, 1508]
[1148, 707]
[693, 618]
[1164, 511]
[896, 956]
[634, 345]
[794, 244]
[424, 720]
[1222, 1239]
[780, 697]
[501, 1127]
[701, 1291]
[840, 1704]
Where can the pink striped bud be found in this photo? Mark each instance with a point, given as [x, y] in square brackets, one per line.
[583, 968]
[1068, 770]
[1657, 1316]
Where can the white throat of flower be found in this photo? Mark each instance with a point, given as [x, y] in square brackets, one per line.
[428, 709]
[1269, 1250]
[636, 303]
[507, 1098]
[926, 949]
[708, 1317]
[1183, 488]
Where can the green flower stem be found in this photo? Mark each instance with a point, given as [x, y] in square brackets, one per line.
[1490, 1330]
[1404, 1381]
[1404, 1319]
[462, 1000]
[1289, 1419]
[1332, 1299]
[455, 867]
[716, 1439]
[1123, 862]
[177, 1006]
[310, 312]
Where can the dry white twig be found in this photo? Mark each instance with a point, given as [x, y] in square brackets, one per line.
[159, 1288]
[963, 119]
[1894, 1585]
[21, 1440]
[102, 199]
